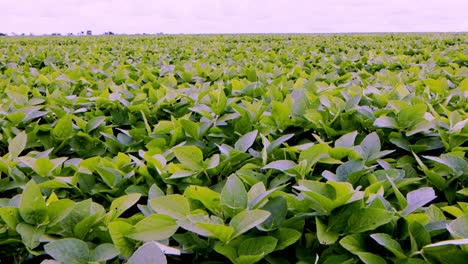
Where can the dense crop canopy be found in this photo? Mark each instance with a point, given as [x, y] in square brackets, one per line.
[240, 148]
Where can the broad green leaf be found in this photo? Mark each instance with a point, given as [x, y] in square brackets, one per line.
[219, 231]
[314, 153]
[278, 209]
[11, 216]
[419, 236]
[280, 165]
[389, 243]
[119, 231]
[262, 245]
[247, 220]
[385, 121]
[458, 228]
[209, 198]
[366, 219]
[417, 199]
[32, 207]
[95, 123]
[325, 237]
[148, 253]
[190, 156]
[356, 245]
[234, 194]
[370, 145]
[174, 205]
[346, 141]
[30, 234]
[227, 251]
[286, 237]
[103, 252]
[446, 252]
[58, 210]
[64, 128]
[17, 144]
[68, 250]
[246, 141]
[121, 204]
[154, 227]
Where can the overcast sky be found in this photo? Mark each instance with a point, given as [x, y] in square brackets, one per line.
[232, 16]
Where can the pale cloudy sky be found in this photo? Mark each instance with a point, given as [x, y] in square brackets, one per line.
[232, 16]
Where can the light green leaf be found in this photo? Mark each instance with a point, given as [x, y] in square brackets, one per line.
[121, 204]
[458, 228]
[219, 231]
[209, 198]
[325, 237]
[64, 128]
[30, 234]
[174, 205]
[247, 220]
[262, 245]
[190, 156]
[234, 194]
[68, 250]
[366, 219]
[17, 144]
[154, 227]
[119, 231]
[148, 253]
[103, 252]
[246, 141]
[418, 198]
[32, 207]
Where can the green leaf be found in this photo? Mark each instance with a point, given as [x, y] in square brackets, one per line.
[58, 210]
[103, 252]
[280, 165]
[121, 204]
[419, 236]
[119, 231]
[209, 198]
[190, 156]
[278, 209]
[346, 141]
[246, 141]
[68, 250]
[11, 216]
[262, 246]
[234, 194]
[17, 144]
[247, 220]
[389, 243]
[30, 235]
[95, 123]
[32, 206]
[366, 219]
[446, 252]
[219, 231]
[154, 227]
[43, 166]
[418, 198]
[174, 205]
[356, 245]
[386, 121]
[325, 237]
[64, 128]
[148, 253]
[410, 116]
[458, 228]
[286, 237]
[370, 145]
